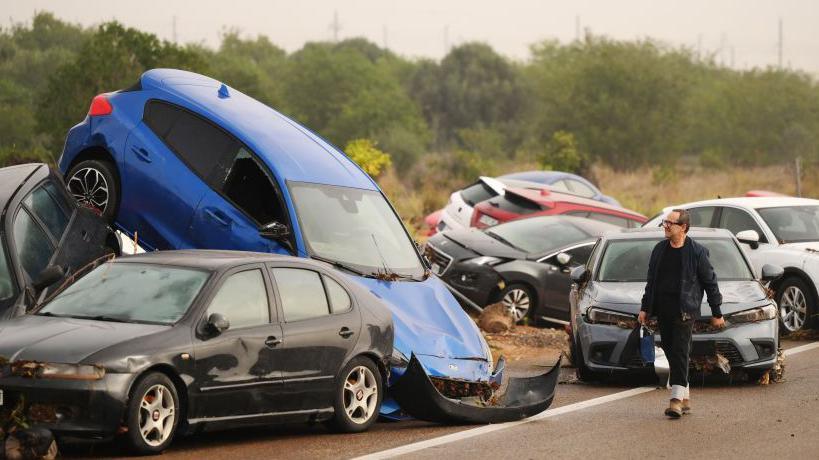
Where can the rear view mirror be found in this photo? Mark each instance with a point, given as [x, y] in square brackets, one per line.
[564, 259]
[48, 276]
[218, 323]
[772, 272]
[580, 274]
[750, 237]
[274, 231]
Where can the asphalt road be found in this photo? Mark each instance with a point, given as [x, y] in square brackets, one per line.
[608, 421]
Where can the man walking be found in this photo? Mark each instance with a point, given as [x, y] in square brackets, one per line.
[678, 273]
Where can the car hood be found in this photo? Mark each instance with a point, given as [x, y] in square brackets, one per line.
[626, 297]
[429, 322]
[479, 243]
[64, 340]
[808, 246]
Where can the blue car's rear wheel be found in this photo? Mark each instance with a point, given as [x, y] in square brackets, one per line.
[94, 184]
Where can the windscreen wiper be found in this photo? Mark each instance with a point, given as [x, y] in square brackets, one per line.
[503, 240]
[343, 266]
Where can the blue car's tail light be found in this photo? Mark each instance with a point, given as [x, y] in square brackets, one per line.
[100, 106]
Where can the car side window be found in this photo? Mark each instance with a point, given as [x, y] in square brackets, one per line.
[301, 292]
[609, 219]
[560, 186]
[580, 255]
[50, 207]
[251, 189]
[339, 299]
[581, 189]
[242, 299]
[6, 285]
[34, 248]
[702, 217]
[737, 220]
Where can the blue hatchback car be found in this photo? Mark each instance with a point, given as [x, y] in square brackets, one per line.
[564, 182]
[180, 160]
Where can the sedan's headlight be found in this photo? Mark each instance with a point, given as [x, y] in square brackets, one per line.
[753, 315]
[485, 260]
[57, 371]
[600, 316]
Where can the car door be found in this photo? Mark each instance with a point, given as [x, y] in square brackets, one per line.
[557, 282]
[321, 327]
[242, 200]
[169, 158]
[238, 371]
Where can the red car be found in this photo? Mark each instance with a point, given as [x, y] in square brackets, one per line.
[518, 203]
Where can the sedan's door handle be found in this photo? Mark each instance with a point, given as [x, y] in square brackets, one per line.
[273, 341]
[218, 216]
[345, 332]
[142, 154]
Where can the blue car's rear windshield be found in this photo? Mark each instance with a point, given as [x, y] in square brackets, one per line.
[130, 292]
[627, 260]
[354, 227]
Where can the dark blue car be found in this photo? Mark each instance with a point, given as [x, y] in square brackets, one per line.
[564, 182]
[180, 160]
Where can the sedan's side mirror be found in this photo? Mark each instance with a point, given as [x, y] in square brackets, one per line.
[274, 231]
[563, 259]
[749, 237]
[772, 272]
[580, 274]
[218, 323]
[47, 277]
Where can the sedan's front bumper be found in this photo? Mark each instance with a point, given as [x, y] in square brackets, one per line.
[82, 408]
[479, 283]
[751, 346]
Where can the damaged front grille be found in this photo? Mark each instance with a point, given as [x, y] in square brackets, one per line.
[729, 351]
[457, 389]
[440, 261]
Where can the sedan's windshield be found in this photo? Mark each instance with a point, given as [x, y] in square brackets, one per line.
[538, 235]
[793, 224]
[354, 227]
[131, 293]
[627, 260]
[6, 284]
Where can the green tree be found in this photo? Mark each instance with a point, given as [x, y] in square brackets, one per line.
[366, 155]
[255, 67]
[562, 154]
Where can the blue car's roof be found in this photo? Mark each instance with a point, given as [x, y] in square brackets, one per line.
[289, 149]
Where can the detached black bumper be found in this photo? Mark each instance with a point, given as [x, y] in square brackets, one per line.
[479, 283]
[524, 397]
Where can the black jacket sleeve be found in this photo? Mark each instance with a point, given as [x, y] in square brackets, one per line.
[648, 294]
[708, 280]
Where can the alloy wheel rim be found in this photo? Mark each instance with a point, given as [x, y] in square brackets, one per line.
[89, 187]
[516, 302]
[360, 395]
[156, 415]
[793, 308]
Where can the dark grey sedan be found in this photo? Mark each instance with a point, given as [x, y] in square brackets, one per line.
[158, 343]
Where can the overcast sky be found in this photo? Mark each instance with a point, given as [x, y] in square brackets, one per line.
[746, 29]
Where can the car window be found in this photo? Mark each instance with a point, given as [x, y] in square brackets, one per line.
[793, 224]
[609, 219]
[33, 247]
[476, 193]
[46, 203]
[737, 220]
[580, 255]
[6, 285]
[702, 217]
[242, 299]
[251, 189]
[538, 235]
[515, 204]
[559, 186]
[205, 148]
[301, 292]
[339, 299]
[580, 188]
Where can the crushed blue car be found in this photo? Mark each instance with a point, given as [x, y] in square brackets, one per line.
[188, 162]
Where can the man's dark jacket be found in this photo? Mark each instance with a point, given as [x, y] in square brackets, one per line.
[697, 275]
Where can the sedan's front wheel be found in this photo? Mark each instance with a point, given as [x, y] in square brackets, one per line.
[152, 415]
[796, 304]
[358, 396]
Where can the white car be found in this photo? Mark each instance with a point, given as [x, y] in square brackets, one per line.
[782, 231]
[457, 214]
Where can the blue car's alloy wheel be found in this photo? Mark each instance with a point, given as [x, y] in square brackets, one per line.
[93, 184]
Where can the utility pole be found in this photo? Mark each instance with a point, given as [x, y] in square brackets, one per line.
[577, 28]
[732, 56]
[384, 30]
[446, 39]
[798, 161]
[335, 26]
[174, 29]
[699, 47]
[780, 44]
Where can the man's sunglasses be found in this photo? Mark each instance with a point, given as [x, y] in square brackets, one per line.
[668, 223]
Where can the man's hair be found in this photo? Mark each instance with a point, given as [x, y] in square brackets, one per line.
[684, 218]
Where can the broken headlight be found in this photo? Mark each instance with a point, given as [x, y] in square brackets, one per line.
[753, 315]
[485, 260]
[600, 316]
[57, 371]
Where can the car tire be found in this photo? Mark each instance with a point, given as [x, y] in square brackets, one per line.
[95, 185]
[519, 300]
[153, 414]
[797, 305]
[359, 391]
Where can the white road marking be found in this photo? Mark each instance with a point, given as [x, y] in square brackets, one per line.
[466, 434]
